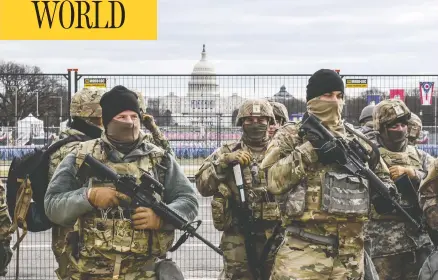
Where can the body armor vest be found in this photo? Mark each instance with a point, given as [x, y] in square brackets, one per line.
[261, 203]
[408, 158]
[107, 235]
[328, 194]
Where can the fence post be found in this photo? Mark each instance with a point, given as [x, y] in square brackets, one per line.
[76, 77]
[69, 92]
[69, 70]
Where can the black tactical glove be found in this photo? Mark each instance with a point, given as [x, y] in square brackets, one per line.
[5, 257]
[327, 151]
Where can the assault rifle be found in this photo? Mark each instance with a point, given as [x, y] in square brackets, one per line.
[247, 225]
[356, 155]
[145, 194]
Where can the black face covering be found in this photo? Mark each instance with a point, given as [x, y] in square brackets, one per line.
[394, 140]
[255, 134]
[397, 136]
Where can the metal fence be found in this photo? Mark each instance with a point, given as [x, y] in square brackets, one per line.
[196, 113]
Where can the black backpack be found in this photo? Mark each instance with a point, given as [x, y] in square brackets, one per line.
[34, 168]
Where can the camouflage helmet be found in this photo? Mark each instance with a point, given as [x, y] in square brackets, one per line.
[367, 112]
[414, 126]
[279, 110]
[85, 103]
[388, 111]
[255, 108]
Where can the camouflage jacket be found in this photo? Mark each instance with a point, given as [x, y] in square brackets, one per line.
[304, 187]
[5, 220]
[66, 203]
[391, 234]
[214, 180]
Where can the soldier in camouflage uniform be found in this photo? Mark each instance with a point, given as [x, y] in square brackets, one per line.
[112, 241]
[428, 199]
[281, 117]
[397, 249]
[5, 235]
[415, 126]
[216, 178]
[366, 121]
[323, 221]
[87, 122]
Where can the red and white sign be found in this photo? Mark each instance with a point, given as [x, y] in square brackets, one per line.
[426, 92]
[397, 94]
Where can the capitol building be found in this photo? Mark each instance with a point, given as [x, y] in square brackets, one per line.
[202, 105]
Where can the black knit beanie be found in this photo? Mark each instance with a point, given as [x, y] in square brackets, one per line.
[324, 81]
[117, 100]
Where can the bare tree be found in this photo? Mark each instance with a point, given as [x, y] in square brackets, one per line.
[25, 83]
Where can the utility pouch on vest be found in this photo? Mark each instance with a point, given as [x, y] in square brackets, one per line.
[220, 209]
[345, 194]
[266, 211]
[293, 202]
[98, 234]
[123, 235]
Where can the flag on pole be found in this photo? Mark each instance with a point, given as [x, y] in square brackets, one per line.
[373, 99]
[397, 94]
[426, 92]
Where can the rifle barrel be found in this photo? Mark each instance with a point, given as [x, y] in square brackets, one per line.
[192, 231]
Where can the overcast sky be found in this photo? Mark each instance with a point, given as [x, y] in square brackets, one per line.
[259, 36]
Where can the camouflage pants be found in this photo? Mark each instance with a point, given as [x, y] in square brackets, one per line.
[401, 266]
[102, 269]
[235, 259]
[300, 259]
[132, 276]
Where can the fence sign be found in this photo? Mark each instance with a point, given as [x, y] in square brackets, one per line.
[426, 92]
[356, 83]
[95, 82]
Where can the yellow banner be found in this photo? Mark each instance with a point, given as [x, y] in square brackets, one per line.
[78, 20]
[356, 83]
[95, 82]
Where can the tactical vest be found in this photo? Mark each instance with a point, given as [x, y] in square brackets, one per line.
[261, 203]
[107, 235]
[327, 193]
[408, 158]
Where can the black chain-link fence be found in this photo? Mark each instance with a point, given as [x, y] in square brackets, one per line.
[196, 113]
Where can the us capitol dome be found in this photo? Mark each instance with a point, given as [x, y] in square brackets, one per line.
[202, 105]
